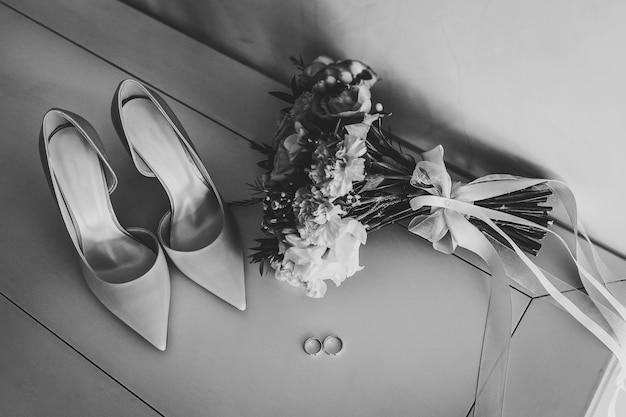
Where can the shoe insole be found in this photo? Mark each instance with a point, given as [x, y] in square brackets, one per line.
[197, 219]
[114, 255]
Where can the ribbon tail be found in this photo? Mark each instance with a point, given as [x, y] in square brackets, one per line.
[481, 190]
[524, 279]
[491, 384]
[568, 305]
[567, 199]
[599, 311]
[604, 299]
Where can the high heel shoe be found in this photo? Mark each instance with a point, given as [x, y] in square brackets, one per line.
[198, 233]
[125, 269]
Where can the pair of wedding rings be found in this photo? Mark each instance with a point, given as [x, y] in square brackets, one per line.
[332, 345]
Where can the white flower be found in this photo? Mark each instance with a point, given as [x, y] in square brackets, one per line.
[318, 218]
[361, 129]
[344, 253]
[283, 271]
[309, 266]
[349, 166]
[300, 266]
[316, 288]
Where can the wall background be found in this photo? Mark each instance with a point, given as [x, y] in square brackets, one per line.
[532, 87]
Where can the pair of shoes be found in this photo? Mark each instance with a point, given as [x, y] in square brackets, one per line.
[127, 268]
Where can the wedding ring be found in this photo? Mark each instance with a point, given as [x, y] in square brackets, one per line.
[332, 345]
[312, 346]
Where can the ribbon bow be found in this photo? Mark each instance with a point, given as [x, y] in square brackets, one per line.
[439, 226]
[432, 176]
[447, 227]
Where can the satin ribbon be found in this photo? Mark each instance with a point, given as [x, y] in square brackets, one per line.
[447, 227]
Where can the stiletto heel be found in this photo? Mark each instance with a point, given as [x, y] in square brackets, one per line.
[198, 233]
[125, 269]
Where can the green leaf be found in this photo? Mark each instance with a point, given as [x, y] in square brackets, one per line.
[298, 62]
[264, 148]
[283, 96]
[245, 203]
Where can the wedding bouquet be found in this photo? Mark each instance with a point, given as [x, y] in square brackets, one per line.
[333, 175]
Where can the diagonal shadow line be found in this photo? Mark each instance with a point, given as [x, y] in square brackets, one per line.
[80, 353]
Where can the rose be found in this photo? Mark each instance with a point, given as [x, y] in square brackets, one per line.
[346, 72]
[340, 89]
[350, 101]
[324, 73]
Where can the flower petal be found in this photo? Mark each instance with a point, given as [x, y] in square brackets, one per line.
[358, 129]
[316, 288]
